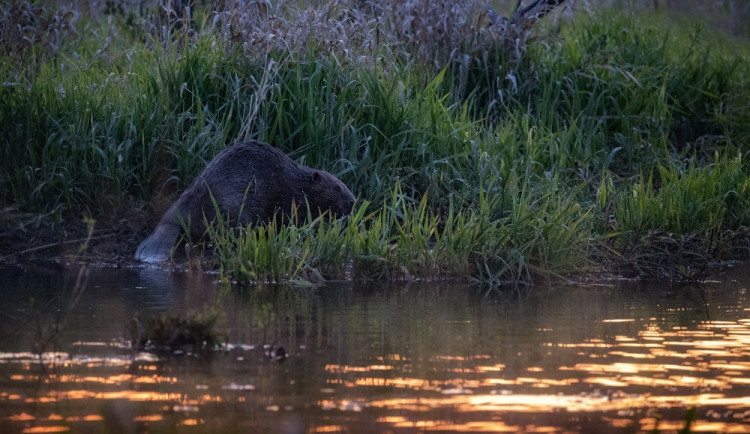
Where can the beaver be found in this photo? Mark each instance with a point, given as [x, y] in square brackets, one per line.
[251, 183]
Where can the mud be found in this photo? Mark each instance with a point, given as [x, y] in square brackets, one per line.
[111, 244]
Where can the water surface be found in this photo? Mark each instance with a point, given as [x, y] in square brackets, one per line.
[618, 356]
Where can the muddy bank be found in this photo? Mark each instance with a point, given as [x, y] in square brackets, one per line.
[111, 243]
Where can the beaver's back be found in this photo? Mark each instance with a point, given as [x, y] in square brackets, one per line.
[249, 183]
[253, 178]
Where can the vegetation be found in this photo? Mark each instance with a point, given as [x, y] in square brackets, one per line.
[193, 334]
[477, 148]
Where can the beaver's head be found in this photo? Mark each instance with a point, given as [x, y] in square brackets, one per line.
[325, 192]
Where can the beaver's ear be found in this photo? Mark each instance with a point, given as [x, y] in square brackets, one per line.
[316, 177]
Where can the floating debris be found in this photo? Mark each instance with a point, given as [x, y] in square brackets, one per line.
[277, 354]
[175, 334]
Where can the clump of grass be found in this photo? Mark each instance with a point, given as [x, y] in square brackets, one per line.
[402, 240]
[687, 200]
[269, 253]
[679, 222]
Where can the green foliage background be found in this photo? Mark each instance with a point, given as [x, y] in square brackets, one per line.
[599, 137]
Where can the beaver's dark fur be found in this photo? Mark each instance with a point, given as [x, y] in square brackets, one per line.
[250, 183]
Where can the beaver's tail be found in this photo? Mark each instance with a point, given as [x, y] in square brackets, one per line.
[158, 246]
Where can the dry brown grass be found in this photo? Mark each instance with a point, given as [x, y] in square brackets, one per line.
[353, 31]
[31, 31]
[431, 32]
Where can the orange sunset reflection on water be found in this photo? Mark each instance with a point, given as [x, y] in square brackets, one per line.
[403, 360]
[630, 379]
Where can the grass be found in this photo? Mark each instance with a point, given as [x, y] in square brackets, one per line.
[606, 138]
[405, 240]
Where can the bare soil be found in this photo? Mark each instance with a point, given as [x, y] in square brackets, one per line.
[112, 243]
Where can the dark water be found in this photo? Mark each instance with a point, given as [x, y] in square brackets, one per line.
[613, 357]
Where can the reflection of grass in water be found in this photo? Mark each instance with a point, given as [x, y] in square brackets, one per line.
[192, 331]
[657, 418]
[168, 333]
[48, 332]
[689, 418]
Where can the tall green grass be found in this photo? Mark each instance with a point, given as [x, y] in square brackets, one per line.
[485, 164]
[686, 200]
[82, 134]
[406, 240]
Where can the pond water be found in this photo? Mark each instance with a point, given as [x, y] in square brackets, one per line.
[611, 357]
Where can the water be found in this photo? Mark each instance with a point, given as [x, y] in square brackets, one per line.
[375, 358]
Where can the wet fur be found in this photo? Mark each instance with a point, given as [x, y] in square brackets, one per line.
[251, 183]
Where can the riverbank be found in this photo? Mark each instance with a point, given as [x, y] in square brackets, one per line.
[604, 142]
